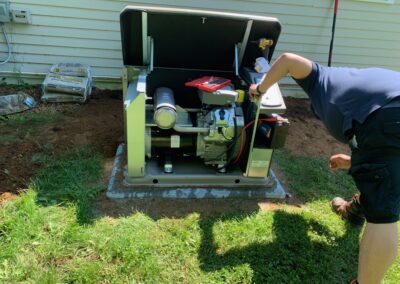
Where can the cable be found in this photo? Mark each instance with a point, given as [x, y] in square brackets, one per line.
[8, 46]
[335, 10]
[242, 137]
[274, 119]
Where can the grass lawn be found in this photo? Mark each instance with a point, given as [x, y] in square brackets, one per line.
[50, 235]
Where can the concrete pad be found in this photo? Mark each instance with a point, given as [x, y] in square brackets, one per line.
[200, 184]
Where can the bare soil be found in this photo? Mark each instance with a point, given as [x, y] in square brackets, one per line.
[99, 122]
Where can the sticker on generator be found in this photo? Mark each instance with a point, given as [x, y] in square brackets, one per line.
[175, 141]
[260, 164]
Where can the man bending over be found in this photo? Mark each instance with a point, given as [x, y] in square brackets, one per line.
[359, 107]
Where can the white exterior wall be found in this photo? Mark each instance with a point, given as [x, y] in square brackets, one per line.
[87, 31]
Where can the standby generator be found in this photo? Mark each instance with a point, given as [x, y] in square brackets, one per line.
[191, 130]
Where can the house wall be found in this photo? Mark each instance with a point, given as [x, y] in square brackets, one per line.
[367, 34]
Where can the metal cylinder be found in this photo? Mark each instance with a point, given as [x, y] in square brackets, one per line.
[165, 142]
[185, 129]
[164, 108]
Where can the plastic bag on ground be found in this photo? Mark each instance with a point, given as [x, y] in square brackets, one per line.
[15, 103]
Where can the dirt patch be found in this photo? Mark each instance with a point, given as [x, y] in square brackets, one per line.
[99, 122]
[307, 135]
[159, 208]
[6, 196]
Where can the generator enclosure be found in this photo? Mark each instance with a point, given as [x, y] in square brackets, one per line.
[178, 135]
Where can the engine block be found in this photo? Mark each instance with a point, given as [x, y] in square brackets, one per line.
[218, 145]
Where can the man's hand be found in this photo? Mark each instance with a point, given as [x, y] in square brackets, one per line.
[253, 92]
[340, 161]
[288, 63]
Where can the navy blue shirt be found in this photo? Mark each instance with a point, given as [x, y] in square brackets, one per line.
[340, 95]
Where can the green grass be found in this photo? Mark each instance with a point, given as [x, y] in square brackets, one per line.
[49, 235]
[21, 119]
[70, 178]
[311, 179]
[16, 127]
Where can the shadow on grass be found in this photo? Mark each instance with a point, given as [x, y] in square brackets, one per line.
[303, 250]
[292, 257]
[295, 254]
[70, 179]
[300, 249]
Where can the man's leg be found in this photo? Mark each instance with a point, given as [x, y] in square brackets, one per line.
[378, 251]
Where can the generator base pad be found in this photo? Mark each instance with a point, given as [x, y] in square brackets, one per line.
[189, 180]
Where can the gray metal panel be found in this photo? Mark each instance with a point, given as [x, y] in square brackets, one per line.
[135, 130]
[260, 162]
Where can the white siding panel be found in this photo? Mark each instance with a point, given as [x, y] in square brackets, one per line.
[77, 23]
[38, 68]
[49, 59]
[52, 41]
[62, 33]
[368, 34]
[67, 52]
[75, 12]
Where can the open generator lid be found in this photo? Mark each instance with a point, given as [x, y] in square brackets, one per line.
[193, 39]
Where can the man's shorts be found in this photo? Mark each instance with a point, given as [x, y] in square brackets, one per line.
[376, 165]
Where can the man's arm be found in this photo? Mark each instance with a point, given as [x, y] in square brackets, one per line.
[288, 63]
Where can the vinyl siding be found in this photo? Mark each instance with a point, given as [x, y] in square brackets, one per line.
[87, 31]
